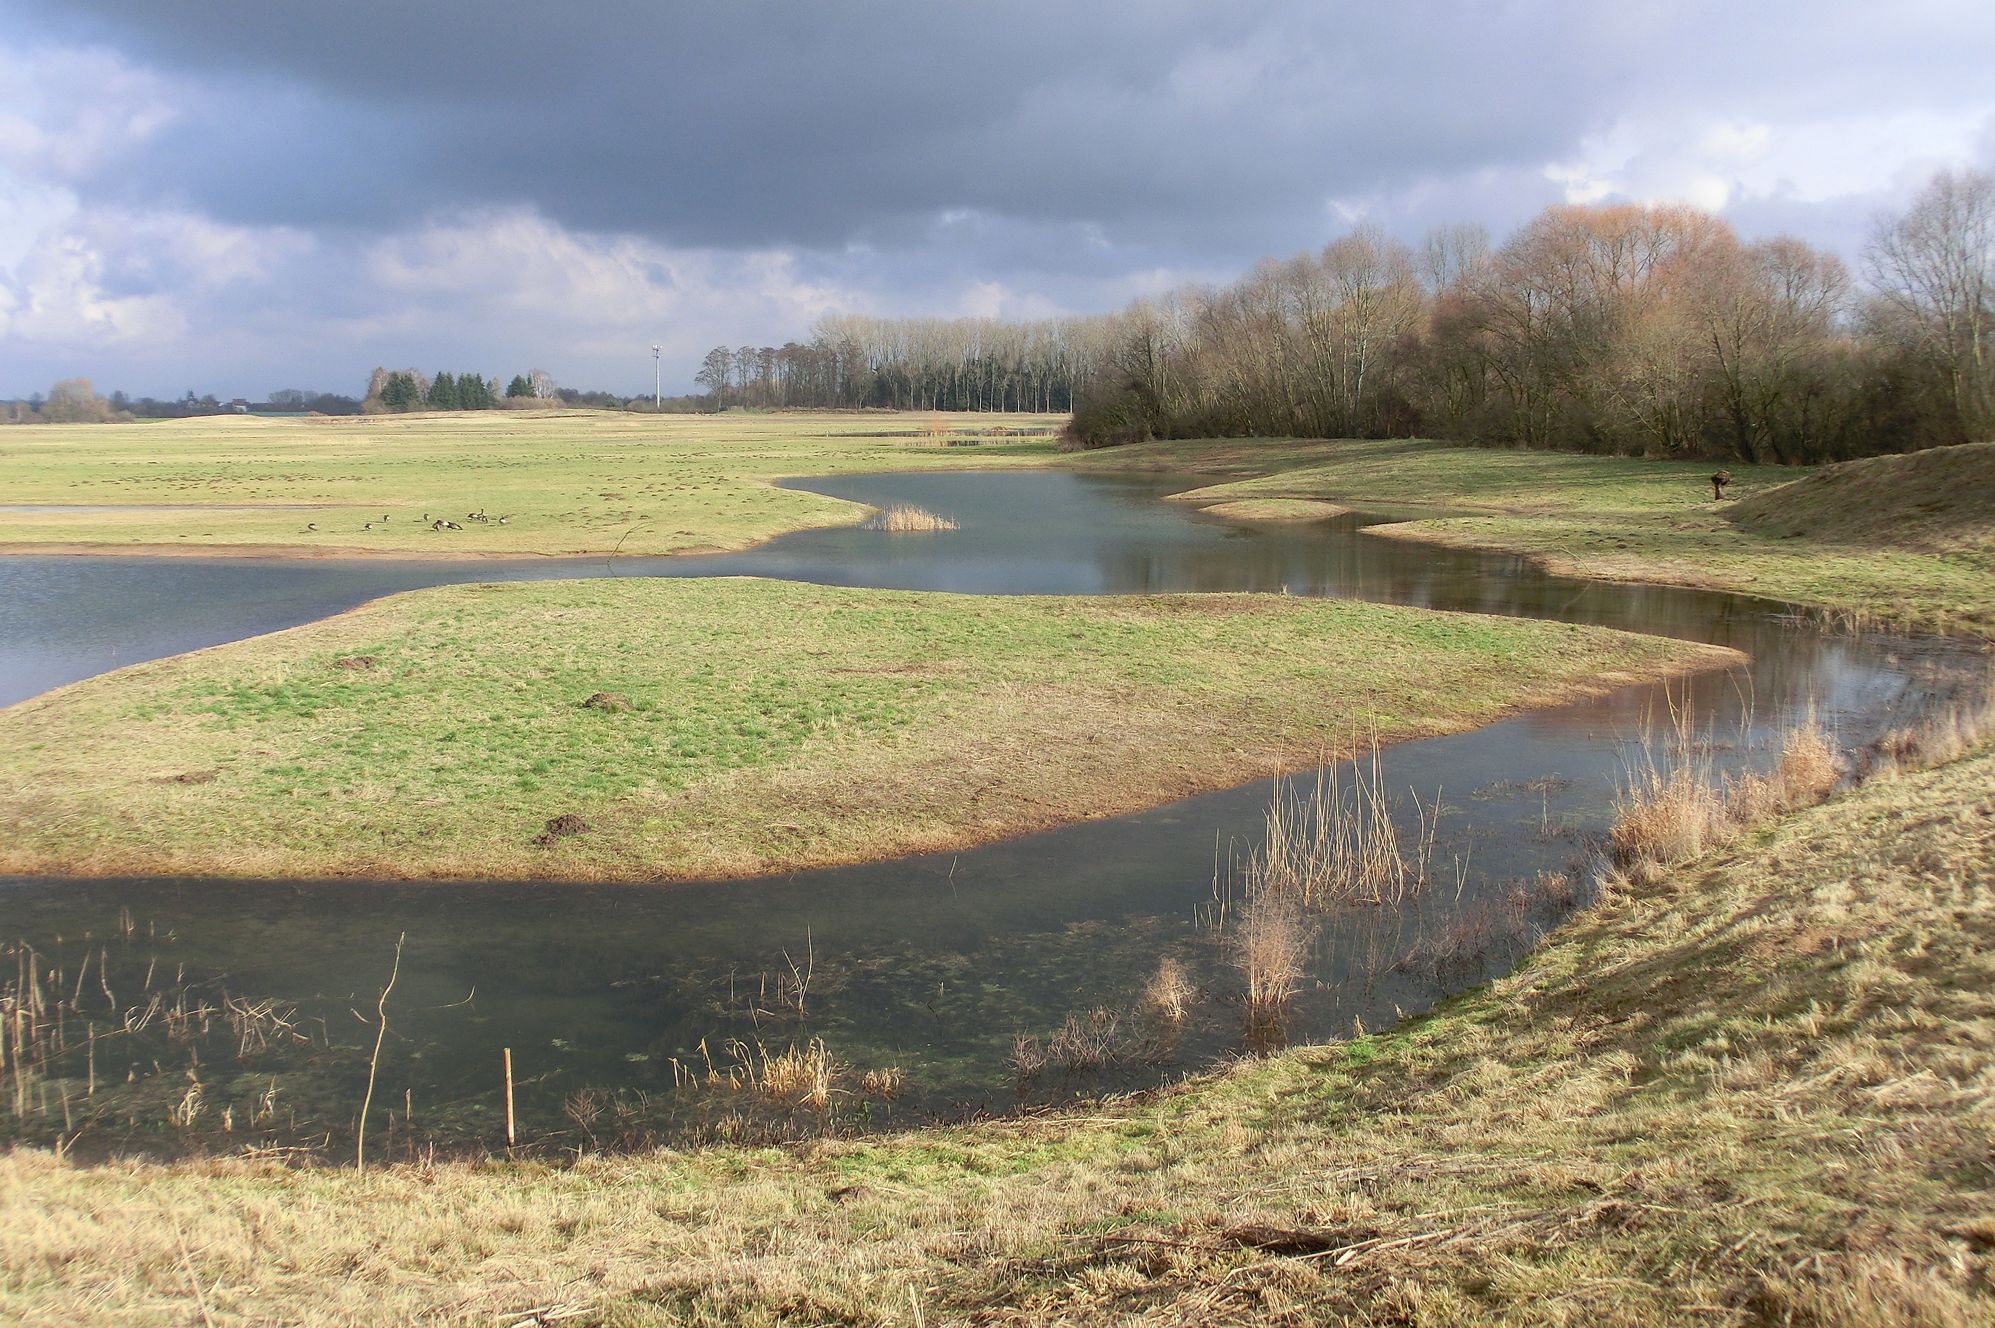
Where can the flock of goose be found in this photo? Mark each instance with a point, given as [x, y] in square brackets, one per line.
[440, 523]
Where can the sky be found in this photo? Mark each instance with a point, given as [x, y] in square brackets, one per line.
[242, 195]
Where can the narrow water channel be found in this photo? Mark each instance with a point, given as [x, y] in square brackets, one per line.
[606, 994]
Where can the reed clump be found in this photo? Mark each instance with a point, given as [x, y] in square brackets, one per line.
[1028, 1057]
[1950, 731]
[1270, 945]
[1667, 816]
[1338, 844]
[803, 1076]
[1086, 1041]
[1168, 995]
[907, 519]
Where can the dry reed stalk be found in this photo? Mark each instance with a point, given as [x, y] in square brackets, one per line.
[506, 1067]
[1338, 844]
[905, 519]
[374, 1061]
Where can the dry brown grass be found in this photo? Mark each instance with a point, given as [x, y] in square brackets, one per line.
[1270, 945]
[1670, 813]
[1086, 1041]
[804, 1076]
[1168, 994]
[1947, 733]
[906, 519]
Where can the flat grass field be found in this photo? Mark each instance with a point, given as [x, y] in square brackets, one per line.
[568, 482]
[1905, 541]
[769, 725]
[1756, 1091]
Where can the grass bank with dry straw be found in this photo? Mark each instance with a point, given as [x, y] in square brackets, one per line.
[1753, 1088]
[703, 728]
[1900, 541]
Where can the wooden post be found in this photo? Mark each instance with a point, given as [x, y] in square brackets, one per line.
[508, 1059]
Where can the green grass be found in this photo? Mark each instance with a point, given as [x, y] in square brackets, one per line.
[772, 725]
[1755, 1090]
[1632, 520]
[571, 482]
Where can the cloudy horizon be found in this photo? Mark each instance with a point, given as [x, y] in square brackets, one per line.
[246, 197]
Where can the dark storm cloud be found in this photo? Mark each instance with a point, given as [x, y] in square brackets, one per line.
[785, 123]
[276, 185]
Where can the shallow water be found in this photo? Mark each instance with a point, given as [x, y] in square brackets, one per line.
[929, 963]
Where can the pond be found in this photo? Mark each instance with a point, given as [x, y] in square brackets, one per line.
[636, 1013]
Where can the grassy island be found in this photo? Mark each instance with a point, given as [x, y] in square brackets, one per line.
[729, 727]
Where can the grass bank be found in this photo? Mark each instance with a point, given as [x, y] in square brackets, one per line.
[567, 482]
[1903, 541]
[743, 726]
[1754, 1089]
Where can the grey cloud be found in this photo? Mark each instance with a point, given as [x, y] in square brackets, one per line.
[901, 150]
[777, 123]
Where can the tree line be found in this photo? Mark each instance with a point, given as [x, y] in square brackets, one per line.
[1647, 330]
[396, 391]
[936, 364]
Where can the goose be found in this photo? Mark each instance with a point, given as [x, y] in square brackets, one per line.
[311, 525]
[505, 518]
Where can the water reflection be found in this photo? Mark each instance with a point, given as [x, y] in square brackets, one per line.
[929, 963]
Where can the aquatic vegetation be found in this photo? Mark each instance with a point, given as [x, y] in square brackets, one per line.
[905, 518]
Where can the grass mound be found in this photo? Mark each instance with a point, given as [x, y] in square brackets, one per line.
[1939, 499]
[1925, 559]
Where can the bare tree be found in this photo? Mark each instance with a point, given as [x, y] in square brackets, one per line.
[1934, 269]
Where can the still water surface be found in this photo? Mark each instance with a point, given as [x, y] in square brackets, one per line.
[931, 963]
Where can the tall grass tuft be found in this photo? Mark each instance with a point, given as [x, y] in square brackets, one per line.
[906, 519]
[800, 1076]
[1169, 993]
[1668, 810]
[1671, 813]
